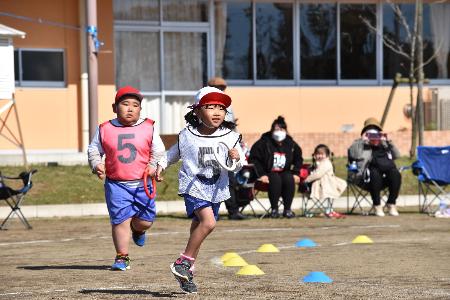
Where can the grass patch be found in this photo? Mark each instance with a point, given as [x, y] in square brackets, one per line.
[76, 184]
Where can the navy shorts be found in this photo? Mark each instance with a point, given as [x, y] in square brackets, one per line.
[192, 204]
[126, 202]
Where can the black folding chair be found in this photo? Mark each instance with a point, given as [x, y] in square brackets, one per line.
[14, 197]
[362, 199]
[249, 189]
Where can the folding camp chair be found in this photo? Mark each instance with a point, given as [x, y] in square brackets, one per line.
[14, 197]
[361, 198]
[310, 205]
[249, 189]
[432, 169]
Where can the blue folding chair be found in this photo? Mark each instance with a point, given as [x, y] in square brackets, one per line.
[432, 169]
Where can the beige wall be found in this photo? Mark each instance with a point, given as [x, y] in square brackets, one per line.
[51, 117]
[316, 109]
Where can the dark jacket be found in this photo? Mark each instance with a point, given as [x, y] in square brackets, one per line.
[262, 154]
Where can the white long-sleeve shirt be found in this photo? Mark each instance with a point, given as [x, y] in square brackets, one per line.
[200, 174]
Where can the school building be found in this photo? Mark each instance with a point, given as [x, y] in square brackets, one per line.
[321, 64]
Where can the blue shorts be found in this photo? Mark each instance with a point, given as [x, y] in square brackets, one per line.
[126, 202]
[192, 204]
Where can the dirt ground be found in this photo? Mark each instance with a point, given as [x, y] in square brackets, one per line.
[70, 259]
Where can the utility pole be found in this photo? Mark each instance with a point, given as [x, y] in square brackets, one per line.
[92, 47]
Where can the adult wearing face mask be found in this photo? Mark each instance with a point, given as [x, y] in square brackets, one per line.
[277, 159]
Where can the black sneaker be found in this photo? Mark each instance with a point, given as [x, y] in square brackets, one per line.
[189, 287]
[274, 214]
[181, 269]
[237, 216]
[288, 214]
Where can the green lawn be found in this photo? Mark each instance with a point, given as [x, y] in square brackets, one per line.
[76, 184]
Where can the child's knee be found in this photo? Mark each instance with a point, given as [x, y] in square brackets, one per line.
[141, 225]
[209, 225]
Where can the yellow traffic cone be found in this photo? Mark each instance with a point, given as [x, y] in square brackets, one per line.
[228, 255]
[362, 239]
[267, 248]
[250, 270]
[235, 262]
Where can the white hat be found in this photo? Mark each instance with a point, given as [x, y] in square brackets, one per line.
[211, 95]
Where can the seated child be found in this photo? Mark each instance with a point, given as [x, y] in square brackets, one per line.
[324, 183]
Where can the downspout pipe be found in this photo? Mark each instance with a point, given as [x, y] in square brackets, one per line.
[92, 45]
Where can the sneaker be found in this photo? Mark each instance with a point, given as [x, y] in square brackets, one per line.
[379, 211]
[181, 269]
[288, 214]
[335, 215]
[189, 287]
[138, 237]
[393, 210]
[274, 214]
[121, 263]
[237, 216]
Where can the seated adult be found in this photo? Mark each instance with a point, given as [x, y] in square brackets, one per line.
[374, 156]
[277, 159]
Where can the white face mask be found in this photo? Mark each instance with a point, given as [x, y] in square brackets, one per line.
[279, 135]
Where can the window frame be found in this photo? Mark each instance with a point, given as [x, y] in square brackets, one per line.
[41, 83]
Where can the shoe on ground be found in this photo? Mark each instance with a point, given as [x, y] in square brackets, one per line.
[181, 269]
[138, 237]
[288, 214]
[379, 211]
[121, 263]
[274, 214]
[335, 215]
[189, 287]
[392, 210]
[237, 216]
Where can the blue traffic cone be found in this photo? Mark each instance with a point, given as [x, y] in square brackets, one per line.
[319, 277]
[306, 243]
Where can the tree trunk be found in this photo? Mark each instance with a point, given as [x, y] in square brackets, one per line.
[412, 151]
[420, 75]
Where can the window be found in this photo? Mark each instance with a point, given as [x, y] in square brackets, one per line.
[233, 34]
[137, 60]
[136, 10]
[394, 32]
[39, 67]
[358, 41]
[274, 41]
[185, 11]
[185, 63]
[318, 41]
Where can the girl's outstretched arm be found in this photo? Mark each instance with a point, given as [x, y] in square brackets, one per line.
[321, 170]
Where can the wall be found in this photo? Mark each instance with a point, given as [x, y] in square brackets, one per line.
[51, 117]
[316, 109]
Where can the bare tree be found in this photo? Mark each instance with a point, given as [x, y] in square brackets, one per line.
[416, 64]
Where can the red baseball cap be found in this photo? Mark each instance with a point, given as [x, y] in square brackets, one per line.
[128, 91]
[211, 95]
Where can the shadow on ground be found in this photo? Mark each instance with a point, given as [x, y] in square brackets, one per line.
[130, 292]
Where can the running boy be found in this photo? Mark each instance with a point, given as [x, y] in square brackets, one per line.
[131, 146]
[202, 182]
